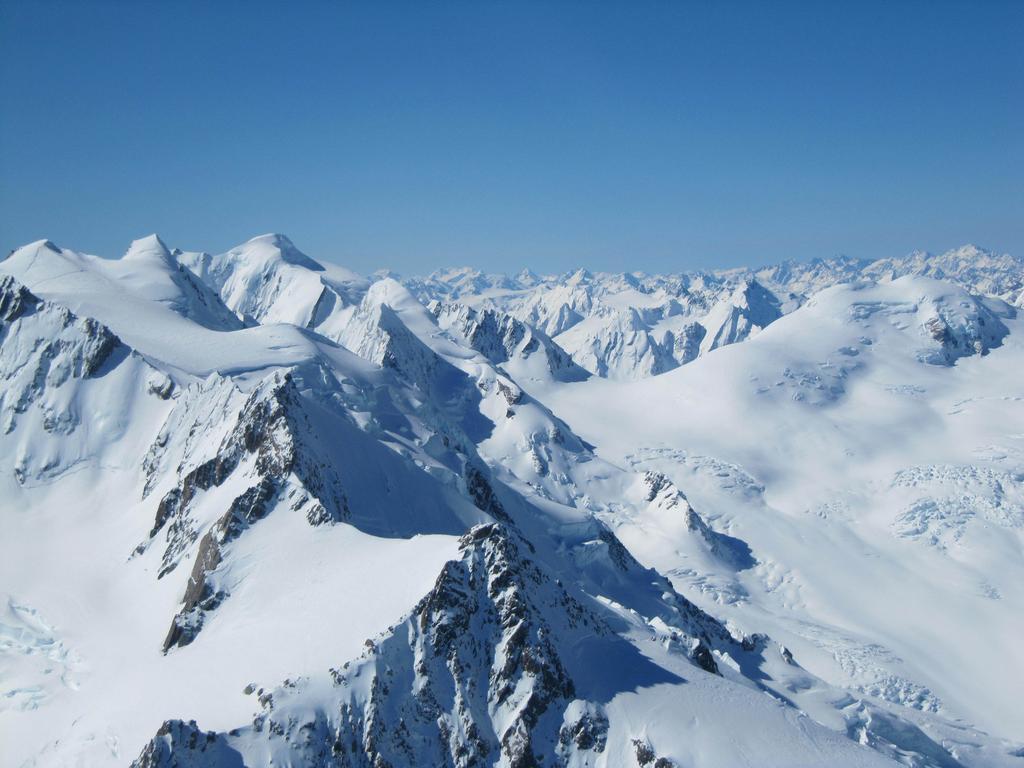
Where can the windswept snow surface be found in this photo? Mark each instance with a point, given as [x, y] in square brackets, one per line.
[881, 494]
[259, 510]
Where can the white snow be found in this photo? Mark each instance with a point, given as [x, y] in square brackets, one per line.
[831, 453]
[880, 495]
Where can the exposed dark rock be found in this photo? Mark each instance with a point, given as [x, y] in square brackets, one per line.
[15, 299]
[500, 337]
[269, 430]
[656, 483]
[482, 494]
[662, 492]
[972, 327]
[200, 595]
[512, 394]
[270, 427]
[644, 753]
[589, 732]
[162, 387]
[618, 553]
[178, 744]
[44, 346]
[101, 343]
[484, 647]
[702, 657]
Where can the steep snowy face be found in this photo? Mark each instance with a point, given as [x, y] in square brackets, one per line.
[68, 385]
[472, 676]
[289, 446]
[865, 451]
[506, 341]
[500, 664]
[269, 280]
[507, 662]
[151, 271]
[223, 473]
[472, 404]
[147, 275]
[379, 331]
[392, 329]
[750, 309]
[622, 326]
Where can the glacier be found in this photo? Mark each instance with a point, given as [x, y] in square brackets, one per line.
[258, 509]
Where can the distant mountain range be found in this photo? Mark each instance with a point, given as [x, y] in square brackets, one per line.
[261, 510]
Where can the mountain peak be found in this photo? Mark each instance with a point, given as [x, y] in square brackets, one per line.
[150, 246]
[579, 276]
[289, 253]
[320, 477]
[391, 292]
[35, 247]
[527, 277]
[274, 238]
[968, 250]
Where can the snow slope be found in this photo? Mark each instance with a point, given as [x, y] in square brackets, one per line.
[260, 510]
[269, 280]
[872, 460]
[634, 325]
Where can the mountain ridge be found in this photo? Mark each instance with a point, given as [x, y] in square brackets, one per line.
[288, 440]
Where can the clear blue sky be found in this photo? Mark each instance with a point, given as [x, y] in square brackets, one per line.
[641, 135]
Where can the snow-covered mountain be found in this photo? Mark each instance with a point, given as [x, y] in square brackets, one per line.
[259, 510]
[634, 325]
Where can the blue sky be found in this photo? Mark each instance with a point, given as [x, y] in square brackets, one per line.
[643, 135]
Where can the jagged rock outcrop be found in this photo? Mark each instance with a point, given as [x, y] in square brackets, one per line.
[15, 299]
[544, 641]
[201, 593]
[961, 328]
[285, 447]
[501, 338]
[487, 669]
[751, 308]
[482, 493]
[663, 493]
[55, 371]
[178, 744]
[44, 346]
[666, 500]
[267, 437]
